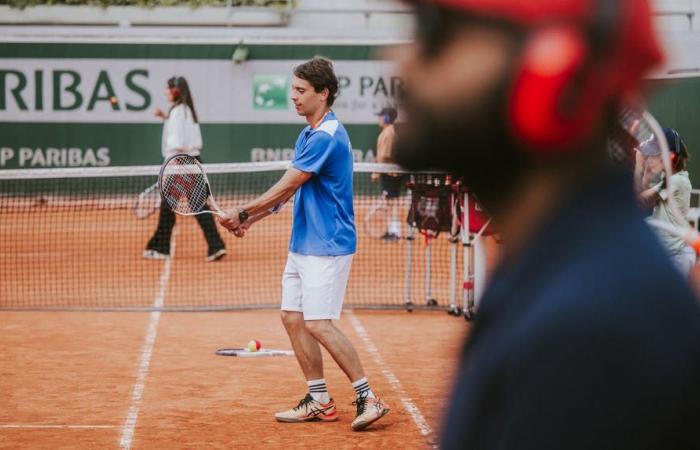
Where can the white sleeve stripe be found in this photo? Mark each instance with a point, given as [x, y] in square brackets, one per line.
[329, 126]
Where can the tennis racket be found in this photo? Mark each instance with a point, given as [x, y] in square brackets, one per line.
[638, 132]
[185, 187]
[147, 202]
[245, 353]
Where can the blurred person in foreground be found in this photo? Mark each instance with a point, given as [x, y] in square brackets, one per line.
[587, 337]
[390, 182]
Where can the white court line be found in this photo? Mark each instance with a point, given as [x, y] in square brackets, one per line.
[407, 401]
[137, 392]
[61, 426]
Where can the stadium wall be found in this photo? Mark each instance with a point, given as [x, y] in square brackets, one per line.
[91, 104]
[83, 104]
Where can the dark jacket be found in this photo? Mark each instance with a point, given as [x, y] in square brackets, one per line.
[590, 340]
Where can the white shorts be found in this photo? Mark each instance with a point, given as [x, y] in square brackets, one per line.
[315, 285]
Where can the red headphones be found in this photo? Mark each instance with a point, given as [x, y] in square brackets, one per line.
[561, 86]
[579, 56]
[175, 92]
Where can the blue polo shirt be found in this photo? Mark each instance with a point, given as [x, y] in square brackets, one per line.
[324, 219]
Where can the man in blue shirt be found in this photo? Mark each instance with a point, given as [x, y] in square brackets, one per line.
[587, 337]
[321, 247]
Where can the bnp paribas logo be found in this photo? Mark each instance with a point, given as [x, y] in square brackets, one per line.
[270, 91]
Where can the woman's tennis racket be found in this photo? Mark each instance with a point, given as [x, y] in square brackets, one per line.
[147, 202]
[185, 187]
[637, 132]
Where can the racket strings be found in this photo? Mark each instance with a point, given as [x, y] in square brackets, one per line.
[184, 186]
[631, 134]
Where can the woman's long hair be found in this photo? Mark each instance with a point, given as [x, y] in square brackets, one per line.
[181, 94]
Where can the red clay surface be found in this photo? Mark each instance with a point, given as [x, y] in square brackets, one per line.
[78, 369]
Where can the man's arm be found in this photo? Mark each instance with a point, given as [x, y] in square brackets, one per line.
[279, 193]
[243, 228]
[385, 146]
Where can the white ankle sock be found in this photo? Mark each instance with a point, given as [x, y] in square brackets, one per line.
[319, 390]
[361, 387]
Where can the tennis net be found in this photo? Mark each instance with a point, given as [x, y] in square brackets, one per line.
[70, 239]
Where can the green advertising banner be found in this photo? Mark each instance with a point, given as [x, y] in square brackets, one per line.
[81, 105]
[89, 104]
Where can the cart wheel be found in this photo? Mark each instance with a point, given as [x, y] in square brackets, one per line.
[431, 302]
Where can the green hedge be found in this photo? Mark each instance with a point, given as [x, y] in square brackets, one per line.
[21, 4]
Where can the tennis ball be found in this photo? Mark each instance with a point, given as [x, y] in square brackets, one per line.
[113, 99]
[254, 345]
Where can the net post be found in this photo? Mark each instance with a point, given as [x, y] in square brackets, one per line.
[409, 266]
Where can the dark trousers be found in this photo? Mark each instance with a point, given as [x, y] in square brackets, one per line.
[160, 241]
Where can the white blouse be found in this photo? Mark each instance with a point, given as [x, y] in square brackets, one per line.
[181, 134]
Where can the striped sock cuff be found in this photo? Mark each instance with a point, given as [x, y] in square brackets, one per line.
[318, 389]
[317, 386]
[361, 386]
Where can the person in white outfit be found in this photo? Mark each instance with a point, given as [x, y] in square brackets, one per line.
[656, 192]
[181, 134]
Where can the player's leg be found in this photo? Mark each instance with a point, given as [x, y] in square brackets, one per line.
[216, 246]
[394, 222]
[391, 186]
[324, 280]
[306, 348]
[316, 405]
[338, 346]
[158, 246]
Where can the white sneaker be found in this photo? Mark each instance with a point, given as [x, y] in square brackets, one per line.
[153, 254]
[220, 253]
[369, 410]
[309, 410]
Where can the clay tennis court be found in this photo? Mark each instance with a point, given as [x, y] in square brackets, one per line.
[71, 379]
[130, 379]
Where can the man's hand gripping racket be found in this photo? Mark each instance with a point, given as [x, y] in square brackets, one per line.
[231, 222]
[185, 187]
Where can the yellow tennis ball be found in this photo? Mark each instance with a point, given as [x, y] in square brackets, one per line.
[254, 345]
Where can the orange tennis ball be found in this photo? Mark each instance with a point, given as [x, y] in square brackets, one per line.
[254, 345]
[113, 99]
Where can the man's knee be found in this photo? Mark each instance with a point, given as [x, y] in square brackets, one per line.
[292, 319]
[319, 328]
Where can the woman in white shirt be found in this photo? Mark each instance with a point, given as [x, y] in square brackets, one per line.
[181, 134]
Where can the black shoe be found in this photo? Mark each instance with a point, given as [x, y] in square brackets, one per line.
[391, 237]
[155, 254]
[216, 255]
